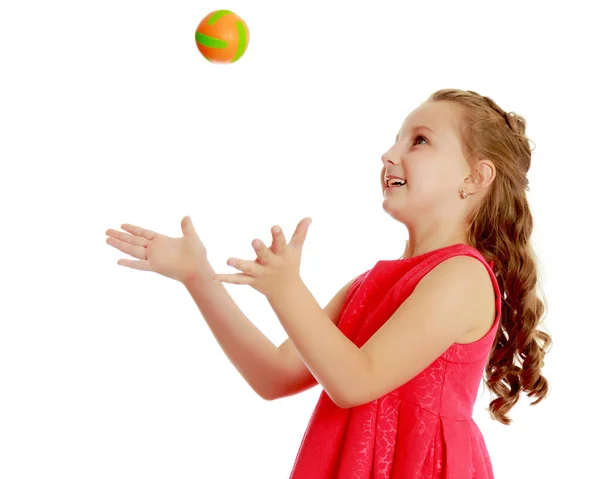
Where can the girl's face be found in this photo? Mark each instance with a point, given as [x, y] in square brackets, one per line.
[427, 154]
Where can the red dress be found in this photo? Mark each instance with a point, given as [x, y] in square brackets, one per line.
[424, 428]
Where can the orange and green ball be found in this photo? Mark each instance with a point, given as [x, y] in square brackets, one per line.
[222, 37]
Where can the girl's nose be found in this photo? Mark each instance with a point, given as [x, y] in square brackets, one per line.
[387, 159]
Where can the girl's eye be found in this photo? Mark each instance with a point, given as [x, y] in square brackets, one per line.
[419, 138]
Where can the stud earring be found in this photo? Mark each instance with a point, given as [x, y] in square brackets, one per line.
[463, 193]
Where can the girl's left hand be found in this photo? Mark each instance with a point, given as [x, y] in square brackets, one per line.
[275, 267]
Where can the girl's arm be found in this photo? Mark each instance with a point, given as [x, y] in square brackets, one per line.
[297, 377]
[455, 298]
[272, 372]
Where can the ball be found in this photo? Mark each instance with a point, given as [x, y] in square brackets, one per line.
[222, 37]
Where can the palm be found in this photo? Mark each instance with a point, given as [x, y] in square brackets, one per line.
[176, 258]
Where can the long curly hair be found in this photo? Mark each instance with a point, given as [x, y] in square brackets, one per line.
[500, 228]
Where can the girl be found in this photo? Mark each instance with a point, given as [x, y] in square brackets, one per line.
[400, 349]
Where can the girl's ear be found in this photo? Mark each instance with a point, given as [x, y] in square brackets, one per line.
[485, 173]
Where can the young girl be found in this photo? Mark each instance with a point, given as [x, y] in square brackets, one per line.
[400, 350]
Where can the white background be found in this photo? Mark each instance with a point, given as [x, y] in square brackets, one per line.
[110, 115]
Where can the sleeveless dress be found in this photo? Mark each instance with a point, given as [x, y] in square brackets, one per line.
[422, 430]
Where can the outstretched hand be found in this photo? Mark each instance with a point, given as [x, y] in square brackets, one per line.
[275, 267]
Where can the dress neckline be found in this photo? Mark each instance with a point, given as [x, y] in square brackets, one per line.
[427, 253]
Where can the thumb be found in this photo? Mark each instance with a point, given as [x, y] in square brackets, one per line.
[300, 234]
[187, 227]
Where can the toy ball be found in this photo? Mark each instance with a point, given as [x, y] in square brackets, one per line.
[222, 37]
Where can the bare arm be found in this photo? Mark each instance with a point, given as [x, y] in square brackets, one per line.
[272, 372]
[297, 377]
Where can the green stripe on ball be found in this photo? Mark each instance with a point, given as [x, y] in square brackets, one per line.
[218, 14]
[210, 42]
[242, 41]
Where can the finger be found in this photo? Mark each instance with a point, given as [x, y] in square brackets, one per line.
[300, 234]
[139, 231]
[132, 250]
[237, 278]
[135, 240]
[264, 254]
[279, 242]
[247, 267]
[142, 265]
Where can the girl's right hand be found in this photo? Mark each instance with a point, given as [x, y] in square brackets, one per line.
[180, 259]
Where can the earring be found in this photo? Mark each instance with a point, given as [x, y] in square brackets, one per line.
[463, 193]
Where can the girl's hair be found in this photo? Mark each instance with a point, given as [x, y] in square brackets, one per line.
[500, 228]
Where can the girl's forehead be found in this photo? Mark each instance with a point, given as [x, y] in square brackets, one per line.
[439, 116]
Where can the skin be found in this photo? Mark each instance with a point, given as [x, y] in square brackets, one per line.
[434, 316]
[435, 168]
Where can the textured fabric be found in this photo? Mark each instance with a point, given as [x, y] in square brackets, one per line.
[424, 428]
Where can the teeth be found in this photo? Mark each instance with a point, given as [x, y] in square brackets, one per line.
[395, 181]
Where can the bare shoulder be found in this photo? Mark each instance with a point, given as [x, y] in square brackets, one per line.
[469, 273]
